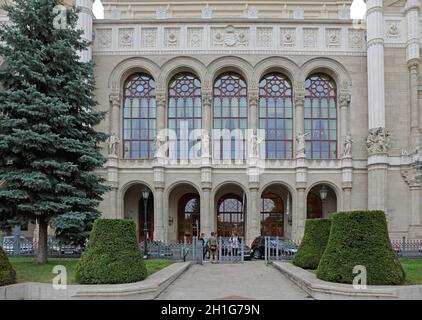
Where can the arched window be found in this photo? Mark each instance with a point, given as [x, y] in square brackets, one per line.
[272, 210]
[139, 117]
[230, 112]
[184, 114]
[320, 117]
[188, 217]
[230, 217]
[276, 116]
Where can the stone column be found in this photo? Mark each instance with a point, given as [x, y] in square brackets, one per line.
[161, 110]
[253, 109]
[299, 215]
[113, 159]
[85, 19]
[377, 144]
[413, 56]
[206, 215]
[346, 162]
[299, 115]
[411, 176]
[344, 102]
[160, 218]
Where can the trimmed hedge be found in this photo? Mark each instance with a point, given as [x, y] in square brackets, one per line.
[7, 273]
[313, 243]
[360, 238]
[112, 255]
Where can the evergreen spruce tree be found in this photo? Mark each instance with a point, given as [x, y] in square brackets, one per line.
[49, 148]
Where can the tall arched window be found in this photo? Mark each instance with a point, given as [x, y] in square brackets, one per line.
[230, 111]
[276, 116]
[184, 113]
[139, 117]
[321, 117]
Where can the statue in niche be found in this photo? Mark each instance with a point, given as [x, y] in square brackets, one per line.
[301, 144]
[348, 141]
[113, 143]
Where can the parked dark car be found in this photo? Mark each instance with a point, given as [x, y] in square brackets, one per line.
[285, 247]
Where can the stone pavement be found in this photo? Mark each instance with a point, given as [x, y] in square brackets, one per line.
[250, 280]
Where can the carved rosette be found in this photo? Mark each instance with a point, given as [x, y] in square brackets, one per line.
[378, 140]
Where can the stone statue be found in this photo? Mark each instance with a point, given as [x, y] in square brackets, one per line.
[205, 139]
[301, 145]
[348, 141]
[254, 142]
[378, 140]
[158, 144]
[113, 142]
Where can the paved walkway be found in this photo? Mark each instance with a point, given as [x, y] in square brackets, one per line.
[250, 280]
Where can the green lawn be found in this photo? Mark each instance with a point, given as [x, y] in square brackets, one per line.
[28, 271]
[413, 269]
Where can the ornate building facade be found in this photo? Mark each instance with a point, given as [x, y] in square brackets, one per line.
[324, 113]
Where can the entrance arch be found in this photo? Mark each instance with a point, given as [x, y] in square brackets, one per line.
[316, 206]
[188, 217]
[133, 206]
[276, 211]
[230, 215]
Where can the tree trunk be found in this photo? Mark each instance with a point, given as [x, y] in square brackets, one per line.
[42, 242]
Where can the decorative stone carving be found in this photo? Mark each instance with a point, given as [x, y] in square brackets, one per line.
[230, 37]
[126, 38]
[104, 38]
[195, 37]
[149, 37]
[378, 140]
[355, 39]
[265, 37]
[206, 12]
[393, 29]
[163, 12]
[333, 37]
[113, 143]
[251, 12]
[301, 144]
[348, 141]
[288, 37]
[298, 13]
[411, 176]
[171, 37]
[310, 38]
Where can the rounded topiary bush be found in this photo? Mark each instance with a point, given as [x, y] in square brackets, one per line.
[112, 254]
[360, 238]
[7, 273]
[313, 243]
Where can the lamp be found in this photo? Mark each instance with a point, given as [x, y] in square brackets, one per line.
[145, 196]
[323, 192]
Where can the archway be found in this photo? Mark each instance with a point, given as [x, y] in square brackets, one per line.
[231, 210]
[275, 211]
[134, 210]
[188, 217]
[183, 212]
[321, 202]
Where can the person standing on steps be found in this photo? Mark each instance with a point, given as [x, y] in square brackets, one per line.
[213, 246]
[204, 240]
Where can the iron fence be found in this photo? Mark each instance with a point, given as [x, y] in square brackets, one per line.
[279, 249]
[20, 246]
[231, 250]
[408, 248]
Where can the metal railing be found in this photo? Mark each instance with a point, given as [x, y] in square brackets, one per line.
[407, 248]
[230, 250]
[20, 246]
[279, 249]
